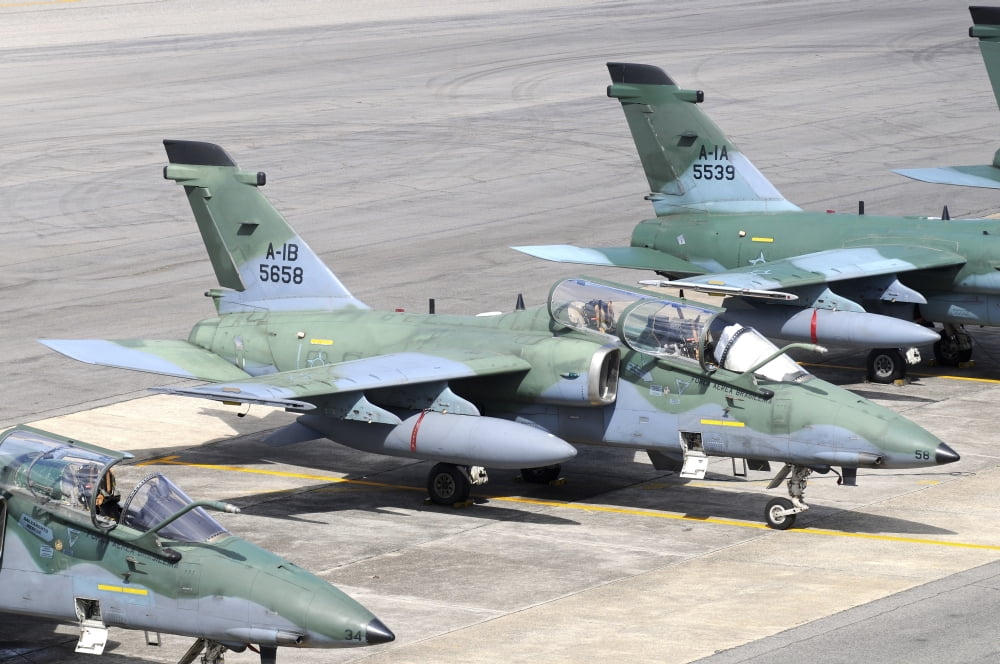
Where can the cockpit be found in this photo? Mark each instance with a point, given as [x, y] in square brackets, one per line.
[668, 328]
[77, 478]
[155, 499]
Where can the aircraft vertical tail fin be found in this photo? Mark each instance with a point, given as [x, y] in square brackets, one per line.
[253, 250]
[690, 164]
[986, 28]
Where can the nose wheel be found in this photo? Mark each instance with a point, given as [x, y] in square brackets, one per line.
[780, 513]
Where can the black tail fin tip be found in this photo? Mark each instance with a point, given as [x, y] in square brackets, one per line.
[627, 72]
[985, 15]
[197, 153]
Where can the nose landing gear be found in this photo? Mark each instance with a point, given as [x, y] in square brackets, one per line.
[780, 513]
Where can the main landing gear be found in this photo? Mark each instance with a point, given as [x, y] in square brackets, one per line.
[780, 513]
[448, 483]
[887, 365]
[954, 347]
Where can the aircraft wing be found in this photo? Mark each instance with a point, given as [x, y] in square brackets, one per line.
[288, 388]
[821, 267]
[640, 258]
[161, 356]
[965, 176]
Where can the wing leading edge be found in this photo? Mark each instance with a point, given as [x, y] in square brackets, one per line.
[822, 267]
[170, 357]
[342, 385]
[638, 258]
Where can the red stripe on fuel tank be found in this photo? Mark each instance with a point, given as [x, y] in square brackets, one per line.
[416, 428]
[812, 326]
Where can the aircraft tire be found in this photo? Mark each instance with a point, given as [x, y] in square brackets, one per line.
[886, 365]
[542, 475]
[447, 484]
[775, 520]
[946, 352]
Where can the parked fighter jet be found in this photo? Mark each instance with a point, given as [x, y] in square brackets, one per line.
[845, 280]
[602, 364]
[71, 550]
[986, 28]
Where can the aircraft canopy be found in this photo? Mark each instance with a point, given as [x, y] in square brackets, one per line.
[668, 328]
[52, 468]
[155, 499]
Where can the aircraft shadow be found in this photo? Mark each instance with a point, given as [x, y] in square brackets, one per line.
[44, 641]
[602, 476]
[332, 478]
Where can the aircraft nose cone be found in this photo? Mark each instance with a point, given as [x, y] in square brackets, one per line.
[376, 632]
[944, 454]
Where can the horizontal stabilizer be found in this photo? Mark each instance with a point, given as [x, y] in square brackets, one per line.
[169, 357]
[639, 258]
[987, 177]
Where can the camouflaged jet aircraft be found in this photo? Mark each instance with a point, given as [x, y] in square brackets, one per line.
[601, 364]
[72, 550]
[985, 28]
[843, 280]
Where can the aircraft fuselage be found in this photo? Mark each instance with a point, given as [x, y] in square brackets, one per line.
[658, 402]
[966, 295]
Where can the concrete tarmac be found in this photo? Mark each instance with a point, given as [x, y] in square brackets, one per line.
[410, 148]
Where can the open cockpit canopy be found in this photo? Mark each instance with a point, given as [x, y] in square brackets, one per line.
[667, 328]
[156, 499]
[77, 480]
[60, 472]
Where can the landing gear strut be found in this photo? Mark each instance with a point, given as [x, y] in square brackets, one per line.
[954, 347]
[214, 653]
[542, 475]
[448, 483]
[780, 512]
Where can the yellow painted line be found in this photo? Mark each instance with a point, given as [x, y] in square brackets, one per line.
[911, 373]
[123, 589]
[762, 239]
[724, 423]
[172, 460]
[321, 342]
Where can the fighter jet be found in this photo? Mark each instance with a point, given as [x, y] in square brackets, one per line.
[986, 28]
[601, 364]
[845, 280]
[72, 549]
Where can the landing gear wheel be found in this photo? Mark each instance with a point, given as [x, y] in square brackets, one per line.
[886, 365]
[953, 349]
[775, 518]
[447, 484]
[542, 475]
